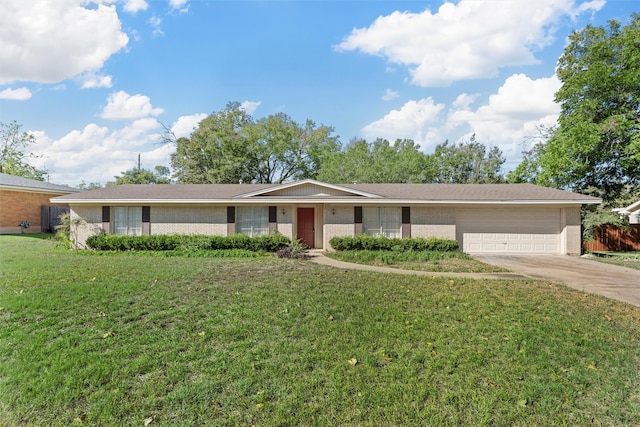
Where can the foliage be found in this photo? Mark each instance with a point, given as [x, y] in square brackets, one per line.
[597, 143]
[89, 186]
[165, 242]
[230, 147]
[364, 242]
[90, 338]
[376, 162]
[160, 175]
[295, 250]
[13, 160]
[468, 162]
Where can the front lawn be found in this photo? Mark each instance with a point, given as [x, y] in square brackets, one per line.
[130, 339]
[623, 259]
[418, 260]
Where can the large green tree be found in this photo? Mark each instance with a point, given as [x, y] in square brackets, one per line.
[229, 146]
[376, 162]
[159, 175]
[469, 162]
[596, 147]
[13, 159]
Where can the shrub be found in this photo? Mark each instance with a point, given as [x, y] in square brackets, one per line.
[187, 243]
[296, 250]
[364, 242]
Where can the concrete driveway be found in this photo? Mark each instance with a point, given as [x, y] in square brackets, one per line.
[579, 273]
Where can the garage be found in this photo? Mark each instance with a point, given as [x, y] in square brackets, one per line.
[512, 230]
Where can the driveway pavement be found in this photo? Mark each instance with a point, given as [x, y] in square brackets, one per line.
[579, 273]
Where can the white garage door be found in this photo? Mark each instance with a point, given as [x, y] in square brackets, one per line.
[509, 230]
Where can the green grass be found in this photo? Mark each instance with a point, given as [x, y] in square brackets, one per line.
[623, 259]
[416, 260]
[115, 340]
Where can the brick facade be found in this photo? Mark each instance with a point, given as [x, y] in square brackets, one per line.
[17, 206]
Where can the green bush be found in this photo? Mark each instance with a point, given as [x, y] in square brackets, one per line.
[187, 243]
[363, 242]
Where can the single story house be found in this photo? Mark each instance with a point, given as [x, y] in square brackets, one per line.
[483, 218]
[24, 199]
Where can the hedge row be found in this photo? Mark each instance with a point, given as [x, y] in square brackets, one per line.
[161, 242]
[364, 242]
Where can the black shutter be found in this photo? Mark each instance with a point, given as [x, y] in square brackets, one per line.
[406, 215]
[273, 214]
[106, 213]
[231, 214]
[146, 214]
[357, 214]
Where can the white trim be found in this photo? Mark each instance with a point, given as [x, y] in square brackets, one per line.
[265, 191]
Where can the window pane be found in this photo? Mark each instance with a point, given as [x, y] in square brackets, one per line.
[127, 220]
[385, 222]
[253, 220]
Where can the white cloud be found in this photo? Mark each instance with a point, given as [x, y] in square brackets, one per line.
[97, 153]
[179, 5]
[121, 105]
[506, 119]
[468, 40]
[134, 6]
[49, 41]
[20, 94]
[390, 94]
[411, 121]
[250, 106]
[156, 24]
[92, 80]
[185, 125]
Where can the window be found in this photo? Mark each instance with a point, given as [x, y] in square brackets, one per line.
[385, 222]
[253, 220]
[127, 220]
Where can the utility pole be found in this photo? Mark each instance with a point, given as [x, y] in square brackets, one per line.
[138, 162]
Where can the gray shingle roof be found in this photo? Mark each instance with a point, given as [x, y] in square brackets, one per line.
[18, 182]
[202, 193]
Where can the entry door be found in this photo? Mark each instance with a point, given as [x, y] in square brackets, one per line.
[306, 226]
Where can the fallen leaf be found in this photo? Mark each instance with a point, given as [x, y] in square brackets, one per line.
[330, 318]
[353, 361]
[591, 367]
[108, 334]
[608, 317]
[201, 334]
[522, 403]
[259, 405]
[148, 421]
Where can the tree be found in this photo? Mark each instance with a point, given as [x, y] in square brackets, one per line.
[229, 147]
[13, 160]
[596, 147]
[217, 151]
[160, 175]
[376, 162]
[465, 163]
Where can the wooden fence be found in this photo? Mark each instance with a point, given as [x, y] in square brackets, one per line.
[50, 217]
[611, 238]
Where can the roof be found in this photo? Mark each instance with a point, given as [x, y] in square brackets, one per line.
[311, 191]
[629, 209]
[25, 184]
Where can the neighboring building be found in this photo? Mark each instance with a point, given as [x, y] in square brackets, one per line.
[23, 199]
[633, 211]
[483, 218]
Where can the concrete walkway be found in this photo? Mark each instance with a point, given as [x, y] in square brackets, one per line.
[619, 283]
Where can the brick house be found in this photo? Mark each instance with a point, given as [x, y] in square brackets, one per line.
[483, 218]
[22, 199]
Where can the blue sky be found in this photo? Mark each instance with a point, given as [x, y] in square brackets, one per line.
[96, 81]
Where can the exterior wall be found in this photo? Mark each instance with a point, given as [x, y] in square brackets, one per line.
[285, 221]
[433, 222]
[17, 206]
[210, 220]
[86, 221]
[571, 234]
[338, 221]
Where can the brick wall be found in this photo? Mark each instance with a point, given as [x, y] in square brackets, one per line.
[17, 206]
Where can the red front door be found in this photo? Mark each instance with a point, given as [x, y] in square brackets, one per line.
[306, 226]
